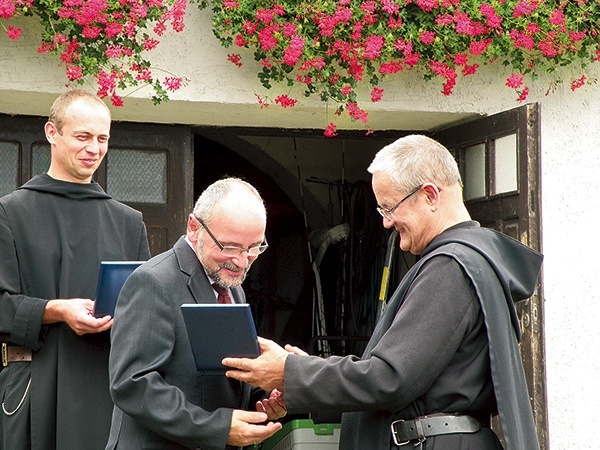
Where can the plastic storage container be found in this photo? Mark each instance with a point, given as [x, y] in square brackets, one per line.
[303, 434]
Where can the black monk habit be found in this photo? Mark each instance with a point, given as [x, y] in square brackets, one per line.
[379, 387]
[53, 235]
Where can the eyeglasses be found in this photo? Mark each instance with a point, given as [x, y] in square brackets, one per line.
[232, 252]
[387, 212]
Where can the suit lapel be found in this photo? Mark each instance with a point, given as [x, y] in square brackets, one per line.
[198, 284]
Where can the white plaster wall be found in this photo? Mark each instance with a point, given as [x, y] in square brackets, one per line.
[221, 94]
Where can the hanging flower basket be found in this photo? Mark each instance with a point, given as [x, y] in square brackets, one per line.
[330, 47]
[106, 40]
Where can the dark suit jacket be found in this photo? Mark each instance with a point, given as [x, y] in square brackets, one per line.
[161, 401]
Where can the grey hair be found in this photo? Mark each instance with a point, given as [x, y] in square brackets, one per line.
[414, 160]
[219, 191]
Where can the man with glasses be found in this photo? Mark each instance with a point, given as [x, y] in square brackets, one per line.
[161, 401]
[444, 356]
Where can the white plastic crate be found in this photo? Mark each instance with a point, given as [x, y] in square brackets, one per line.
[303, 434]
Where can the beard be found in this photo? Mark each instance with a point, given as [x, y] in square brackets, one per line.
[214, 271]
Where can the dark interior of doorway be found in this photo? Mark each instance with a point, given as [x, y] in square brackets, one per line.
[281, 285]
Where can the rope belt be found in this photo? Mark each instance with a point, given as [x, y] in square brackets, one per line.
[14, 353]
[420, 428]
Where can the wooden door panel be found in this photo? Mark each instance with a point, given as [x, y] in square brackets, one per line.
[165, 218]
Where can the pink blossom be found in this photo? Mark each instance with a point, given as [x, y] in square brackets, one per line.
[525, 8]
[390, 67]
[373, 45]
[173, 83]
[376, 94]
[290, 29]
[493, 20]
[91, 32]
[74, 72]
[523, 94]
[113, 51]
[292, 54]
[266, 63]
[515, 81]
[369, 6]
[390, 7]
[13, 33]
[522, 40]
[343, 15]
[143, 74]
[267, 38]
[470, 69]
[7, 9]
[557, 17]
[303, 79]
[265, 16]
[116, 100]
[315, 63]
[444, 19]
[478, 47]
[70, 54]
[240, 41]
[249, 27]
[356, 113]
[178, 15]
[357, 31]
[427, 5]
[45, 47]
[356, 70]
[285, 101]
[464, 25]
[334, 79]
[403, 46]
[460, 59]
[427, 37]
[394, 24]
[107, 83]
[576, 35]
[150, 44]
[576, 84]
[231, 4]
[346, 90]
[113, 29]
[412, 59]
[235, 59]
[532, 28]
[548, 47]
[330, 130]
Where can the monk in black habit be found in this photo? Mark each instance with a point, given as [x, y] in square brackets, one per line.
[54, 231]
[444, 356]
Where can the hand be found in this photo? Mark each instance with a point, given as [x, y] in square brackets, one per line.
[273, 406]
[244, 430]
[295, 350]
[77, 313]
[266, 371]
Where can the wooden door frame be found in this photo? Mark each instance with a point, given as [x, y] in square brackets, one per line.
[525, 205]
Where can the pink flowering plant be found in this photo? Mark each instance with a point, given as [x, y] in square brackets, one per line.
[331, 47]
[103, 40]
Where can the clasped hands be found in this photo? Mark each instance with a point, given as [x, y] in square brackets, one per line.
[266, 372]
